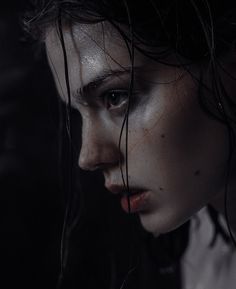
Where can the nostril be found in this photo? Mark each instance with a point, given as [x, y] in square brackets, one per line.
[98, 161]
[90, 160]
[102, 166]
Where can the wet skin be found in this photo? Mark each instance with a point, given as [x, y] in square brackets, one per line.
[176, 152]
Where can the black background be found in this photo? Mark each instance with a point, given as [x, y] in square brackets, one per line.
[31, 207]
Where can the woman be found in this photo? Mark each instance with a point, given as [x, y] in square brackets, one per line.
[154, 84]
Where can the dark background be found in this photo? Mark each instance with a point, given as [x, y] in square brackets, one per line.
[31, 207]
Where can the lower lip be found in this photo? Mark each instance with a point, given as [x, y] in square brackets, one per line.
[138, 202]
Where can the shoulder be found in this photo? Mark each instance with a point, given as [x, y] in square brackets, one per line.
[205, 266]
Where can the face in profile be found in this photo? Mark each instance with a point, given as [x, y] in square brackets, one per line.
[176, 153]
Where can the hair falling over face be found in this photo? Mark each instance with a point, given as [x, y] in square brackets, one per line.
[125, 179]
[161, 34]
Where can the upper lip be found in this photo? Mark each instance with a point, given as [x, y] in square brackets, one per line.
[121, 189]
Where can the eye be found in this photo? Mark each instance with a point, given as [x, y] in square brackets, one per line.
[115, 99]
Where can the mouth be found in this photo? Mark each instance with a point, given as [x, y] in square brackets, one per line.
[133, 202]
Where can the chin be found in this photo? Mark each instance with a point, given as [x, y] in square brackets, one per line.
[157, 224]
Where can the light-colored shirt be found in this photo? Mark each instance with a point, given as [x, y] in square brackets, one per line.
[205, 267]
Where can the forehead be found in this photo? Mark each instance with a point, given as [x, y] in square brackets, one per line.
[90, 49]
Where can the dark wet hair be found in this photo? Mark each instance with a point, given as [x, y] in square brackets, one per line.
[194, 29]
[198, 31]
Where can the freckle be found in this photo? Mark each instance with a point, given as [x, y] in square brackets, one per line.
[161, 189]
[162, 136]
[197, 173]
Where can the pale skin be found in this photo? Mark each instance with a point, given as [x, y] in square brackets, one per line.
[176, 152]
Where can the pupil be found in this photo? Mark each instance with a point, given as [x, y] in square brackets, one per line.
[114, 98]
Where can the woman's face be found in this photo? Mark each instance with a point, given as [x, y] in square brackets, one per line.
[176, 153]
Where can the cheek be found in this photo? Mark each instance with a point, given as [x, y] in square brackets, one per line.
[178, 145]
[169, 122]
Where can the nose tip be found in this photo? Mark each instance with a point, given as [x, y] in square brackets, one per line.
[89, 160]
[98, 157]
[99, 149]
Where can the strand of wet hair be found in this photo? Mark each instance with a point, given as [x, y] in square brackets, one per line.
[125, 124]
[131, 53]
[210, 43]
[220, 107]
[64, 237]
[230, 154]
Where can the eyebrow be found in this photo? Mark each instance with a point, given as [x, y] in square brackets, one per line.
[98, 81]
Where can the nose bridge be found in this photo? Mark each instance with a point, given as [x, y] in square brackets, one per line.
[88, 143]
[97, 149]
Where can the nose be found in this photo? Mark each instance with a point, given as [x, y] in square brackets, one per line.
[98, 149]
